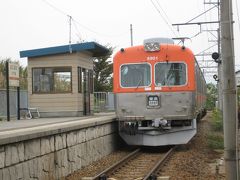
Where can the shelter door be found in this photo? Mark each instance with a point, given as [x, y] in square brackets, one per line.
[86, 92]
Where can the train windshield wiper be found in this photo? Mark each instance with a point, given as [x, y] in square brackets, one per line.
[139, 82]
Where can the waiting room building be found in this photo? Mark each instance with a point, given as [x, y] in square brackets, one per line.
[60, 79]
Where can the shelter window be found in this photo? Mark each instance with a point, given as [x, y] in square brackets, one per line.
[52, 80]
[170, 74]
[135, 75]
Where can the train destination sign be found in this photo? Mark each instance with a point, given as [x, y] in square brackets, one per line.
[13, 69]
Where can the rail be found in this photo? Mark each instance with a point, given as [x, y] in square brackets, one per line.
[138, 156]
[101, 176]
[158, 164]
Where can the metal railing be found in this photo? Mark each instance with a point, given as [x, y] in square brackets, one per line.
[13, 102]
[103, 101]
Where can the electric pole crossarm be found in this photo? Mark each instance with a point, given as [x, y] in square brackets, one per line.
[196, 23]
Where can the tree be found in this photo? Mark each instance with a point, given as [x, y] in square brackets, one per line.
[211, 96]
[103, 69]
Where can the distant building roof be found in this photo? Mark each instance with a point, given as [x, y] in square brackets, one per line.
[93, 47]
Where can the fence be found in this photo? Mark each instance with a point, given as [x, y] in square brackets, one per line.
[104, 101]
[12, 102]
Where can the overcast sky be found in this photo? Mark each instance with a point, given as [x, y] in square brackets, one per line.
[29, 24]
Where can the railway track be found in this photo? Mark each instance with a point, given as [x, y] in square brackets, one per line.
[140, 165]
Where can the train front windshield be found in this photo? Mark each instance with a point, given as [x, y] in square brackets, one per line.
[170, 74]
[135, 75]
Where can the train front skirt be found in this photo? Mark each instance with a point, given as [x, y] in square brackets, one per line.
[155, 138]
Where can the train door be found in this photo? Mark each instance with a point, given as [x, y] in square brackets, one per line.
[86, 91]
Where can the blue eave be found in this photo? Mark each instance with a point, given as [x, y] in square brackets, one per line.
[93, 47]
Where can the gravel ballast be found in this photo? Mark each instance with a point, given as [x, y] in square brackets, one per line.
[192, 161]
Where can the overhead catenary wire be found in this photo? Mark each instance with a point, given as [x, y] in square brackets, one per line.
[77, 22]
[163, 12]
[206, 49]
[164, 19]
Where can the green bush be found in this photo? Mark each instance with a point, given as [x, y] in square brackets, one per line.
[215, 136]
[215, 141]
[217, 121]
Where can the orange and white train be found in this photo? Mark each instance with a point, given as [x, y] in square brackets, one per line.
[160, 93]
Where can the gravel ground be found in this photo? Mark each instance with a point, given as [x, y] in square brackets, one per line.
[189, 162]
[98, 166]
[194, 160]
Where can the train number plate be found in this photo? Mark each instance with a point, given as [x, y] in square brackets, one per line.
[153, 101]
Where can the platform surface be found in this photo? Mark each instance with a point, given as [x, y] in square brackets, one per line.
[18, 130]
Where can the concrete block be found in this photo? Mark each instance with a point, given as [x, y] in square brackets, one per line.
[47, 166]
[99, 148]
[89, 133]
[84, 154]
[26, 173]
[89, 150]
[12, 172]
[72, 157]
[6, 174]
[47, 145]
[78, 156]
[61, 164]
[32, 149]
[1, 174]
[60, 142]
[11, 155]
[106, 129]
[81, 136]
[19, 171]
[34, 168]
[2, 157]
[100, 130]
[71, 139]
[20, 148]
[71, 154]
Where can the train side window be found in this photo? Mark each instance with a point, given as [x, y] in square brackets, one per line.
[135, 75]
[170, 74]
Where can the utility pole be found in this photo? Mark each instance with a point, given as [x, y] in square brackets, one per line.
[70, 33]
[131, 34]
[219, 83]
[229, 91]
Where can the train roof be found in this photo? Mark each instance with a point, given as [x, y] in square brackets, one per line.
[167, 48]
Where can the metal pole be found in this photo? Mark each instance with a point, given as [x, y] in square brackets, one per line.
[7, 88]
[229, 91]
[18, 103]
[220, 99]
[131, 34]
[70, 33]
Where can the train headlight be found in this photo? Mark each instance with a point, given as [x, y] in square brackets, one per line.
[151, 46]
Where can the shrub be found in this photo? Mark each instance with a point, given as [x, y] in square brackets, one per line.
[215, 141]
[217, 121]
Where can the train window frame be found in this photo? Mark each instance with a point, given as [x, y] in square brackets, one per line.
[179, 62]
[120, 76]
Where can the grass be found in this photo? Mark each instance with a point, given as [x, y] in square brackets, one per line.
[215, 136]
[217, 121]
[215, 141]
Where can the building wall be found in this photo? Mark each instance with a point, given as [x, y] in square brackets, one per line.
[60, 104]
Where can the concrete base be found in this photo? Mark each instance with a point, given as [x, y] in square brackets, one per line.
[54, 151]
[63, 114]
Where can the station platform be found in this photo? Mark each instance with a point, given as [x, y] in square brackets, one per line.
[19, 130]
